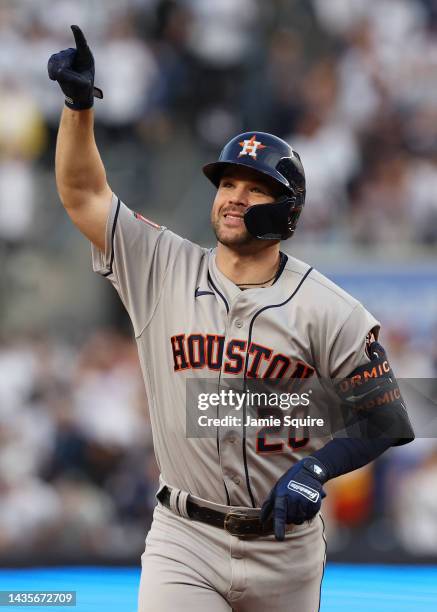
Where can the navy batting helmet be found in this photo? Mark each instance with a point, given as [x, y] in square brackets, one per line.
[272, 157]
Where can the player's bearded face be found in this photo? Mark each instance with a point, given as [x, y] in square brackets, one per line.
[238, 190]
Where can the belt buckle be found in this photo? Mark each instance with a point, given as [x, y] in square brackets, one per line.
[235, 519]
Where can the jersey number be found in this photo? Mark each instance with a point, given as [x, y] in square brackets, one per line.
[294, 441]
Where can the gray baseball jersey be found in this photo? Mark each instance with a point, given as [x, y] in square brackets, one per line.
[190, 321]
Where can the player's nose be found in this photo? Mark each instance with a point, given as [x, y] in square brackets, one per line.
[239, 196]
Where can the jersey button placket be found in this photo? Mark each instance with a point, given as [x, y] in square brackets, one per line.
[230, 452]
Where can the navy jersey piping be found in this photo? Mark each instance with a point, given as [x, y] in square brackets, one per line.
[114, 225]
[228, 499]
[218, 293]
[246, 469]
[324, 561]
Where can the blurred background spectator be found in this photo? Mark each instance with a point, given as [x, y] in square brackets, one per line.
[351, 85]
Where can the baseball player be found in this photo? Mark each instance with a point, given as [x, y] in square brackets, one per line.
[237, 525]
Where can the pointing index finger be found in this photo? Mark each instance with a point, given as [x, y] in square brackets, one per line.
[79, 37]
[280, 517]
[266, 509]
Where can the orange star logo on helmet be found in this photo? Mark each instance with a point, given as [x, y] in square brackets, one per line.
[251, 147]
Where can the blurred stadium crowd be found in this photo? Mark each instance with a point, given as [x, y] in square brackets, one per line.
[351, 85]
[77, 470]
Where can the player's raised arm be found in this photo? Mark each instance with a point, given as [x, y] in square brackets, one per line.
[80, 174]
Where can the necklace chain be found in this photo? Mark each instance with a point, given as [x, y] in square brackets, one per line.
[263, 282]
[256, 284]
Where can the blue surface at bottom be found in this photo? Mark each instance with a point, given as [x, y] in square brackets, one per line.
[97, 589]
[346, 588]
[379, 588]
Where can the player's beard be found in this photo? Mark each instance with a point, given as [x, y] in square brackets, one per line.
[231, 238]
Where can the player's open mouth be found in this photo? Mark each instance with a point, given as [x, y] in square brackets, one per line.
[233, 220]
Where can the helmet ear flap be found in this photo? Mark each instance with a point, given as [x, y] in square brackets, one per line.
[274, 221]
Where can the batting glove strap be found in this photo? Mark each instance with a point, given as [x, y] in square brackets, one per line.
[316, 469]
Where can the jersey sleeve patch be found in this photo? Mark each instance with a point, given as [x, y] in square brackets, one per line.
[145, 220]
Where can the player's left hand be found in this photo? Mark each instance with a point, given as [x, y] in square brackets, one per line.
[297, 496]
[74, 70]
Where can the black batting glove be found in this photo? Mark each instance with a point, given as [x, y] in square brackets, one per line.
[297, 496]
[74, 71]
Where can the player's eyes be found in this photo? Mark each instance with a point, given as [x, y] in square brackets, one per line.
[258, 190]
[229, 184]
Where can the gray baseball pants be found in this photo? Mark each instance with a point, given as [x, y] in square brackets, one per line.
[189, 566]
